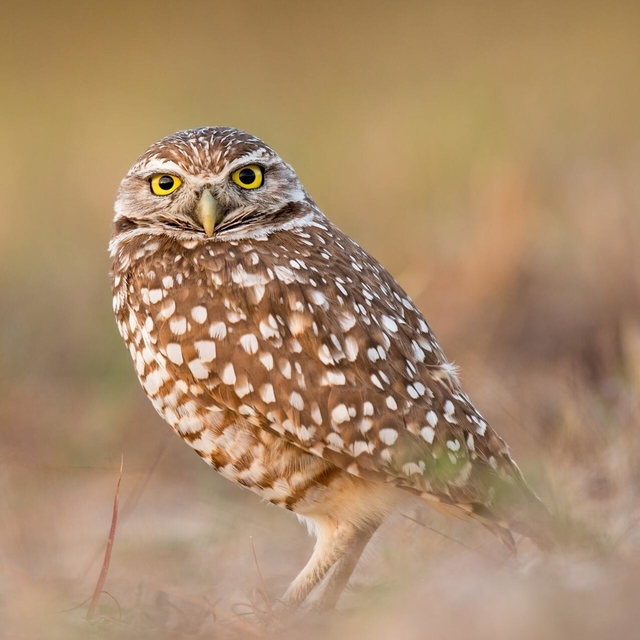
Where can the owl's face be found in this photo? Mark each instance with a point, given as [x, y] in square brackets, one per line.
[213, 182]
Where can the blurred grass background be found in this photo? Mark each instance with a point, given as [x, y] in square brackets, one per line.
[487, 153]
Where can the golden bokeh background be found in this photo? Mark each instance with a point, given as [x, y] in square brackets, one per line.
[488, 153]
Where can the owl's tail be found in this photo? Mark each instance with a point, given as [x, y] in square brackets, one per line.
[515, 508]
[530, 517]
[535, 522]
[536, 528]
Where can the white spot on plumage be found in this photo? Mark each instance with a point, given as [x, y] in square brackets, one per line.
[285, 368]
[140, 364]
[409, 468]
[249, 343]
[316, 414]
[198, 369]
[206, 350]
[174, 353]
[243, 388]
[296, 401]
[155, 295]
[228, 375]
[325, 355]
[388, 436]
[351, 348]
[284, 274]
[133, 321]
[154, 381]
[340, 414]
[167, 310]
[236, 315]
[389, 323]
[391, 403]
[199, 314]
[267, 330]
[360, 447]
[335, 442]
[297, 324]
[178, 325]
[267, 360]
[453, 445]
[267, 394]
[258, 291]
[218, 330]
[306, 433]
[449, 411]
[332, 377]
[318, 298]
[413, 393]
[188, 423]
[432, 418]
[428, 433]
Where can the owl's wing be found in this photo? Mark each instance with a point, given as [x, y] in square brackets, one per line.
[326, 350]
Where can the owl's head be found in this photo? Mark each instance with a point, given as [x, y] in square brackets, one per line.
[214, 182]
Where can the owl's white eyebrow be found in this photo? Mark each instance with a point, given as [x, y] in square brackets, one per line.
[257, 157]
[159, 166]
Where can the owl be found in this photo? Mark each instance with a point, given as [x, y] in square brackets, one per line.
[290, 360]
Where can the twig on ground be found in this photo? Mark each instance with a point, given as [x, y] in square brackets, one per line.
[444, 535]
[107, 554]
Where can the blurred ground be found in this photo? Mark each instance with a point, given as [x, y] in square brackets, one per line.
[486, 153]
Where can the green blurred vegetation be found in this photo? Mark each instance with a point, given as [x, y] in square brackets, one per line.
[487, 153]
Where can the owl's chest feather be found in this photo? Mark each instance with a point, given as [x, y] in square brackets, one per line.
[156, 296]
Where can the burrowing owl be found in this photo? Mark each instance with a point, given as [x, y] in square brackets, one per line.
[290, 359]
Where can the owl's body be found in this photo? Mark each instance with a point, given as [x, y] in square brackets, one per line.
[290, 359]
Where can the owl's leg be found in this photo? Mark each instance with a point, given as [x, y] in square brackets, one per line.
[337, 579]
[334, 540]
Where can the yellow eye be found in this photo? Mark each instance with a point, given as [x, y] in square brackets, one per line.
[249, 177]
[163, 184]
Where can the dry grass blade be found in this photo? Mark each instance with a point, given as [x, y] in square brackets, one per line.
[265, 593]
[107, 554]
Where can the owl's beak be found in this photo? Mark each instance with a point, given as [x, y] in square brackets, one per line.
[208, 210]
